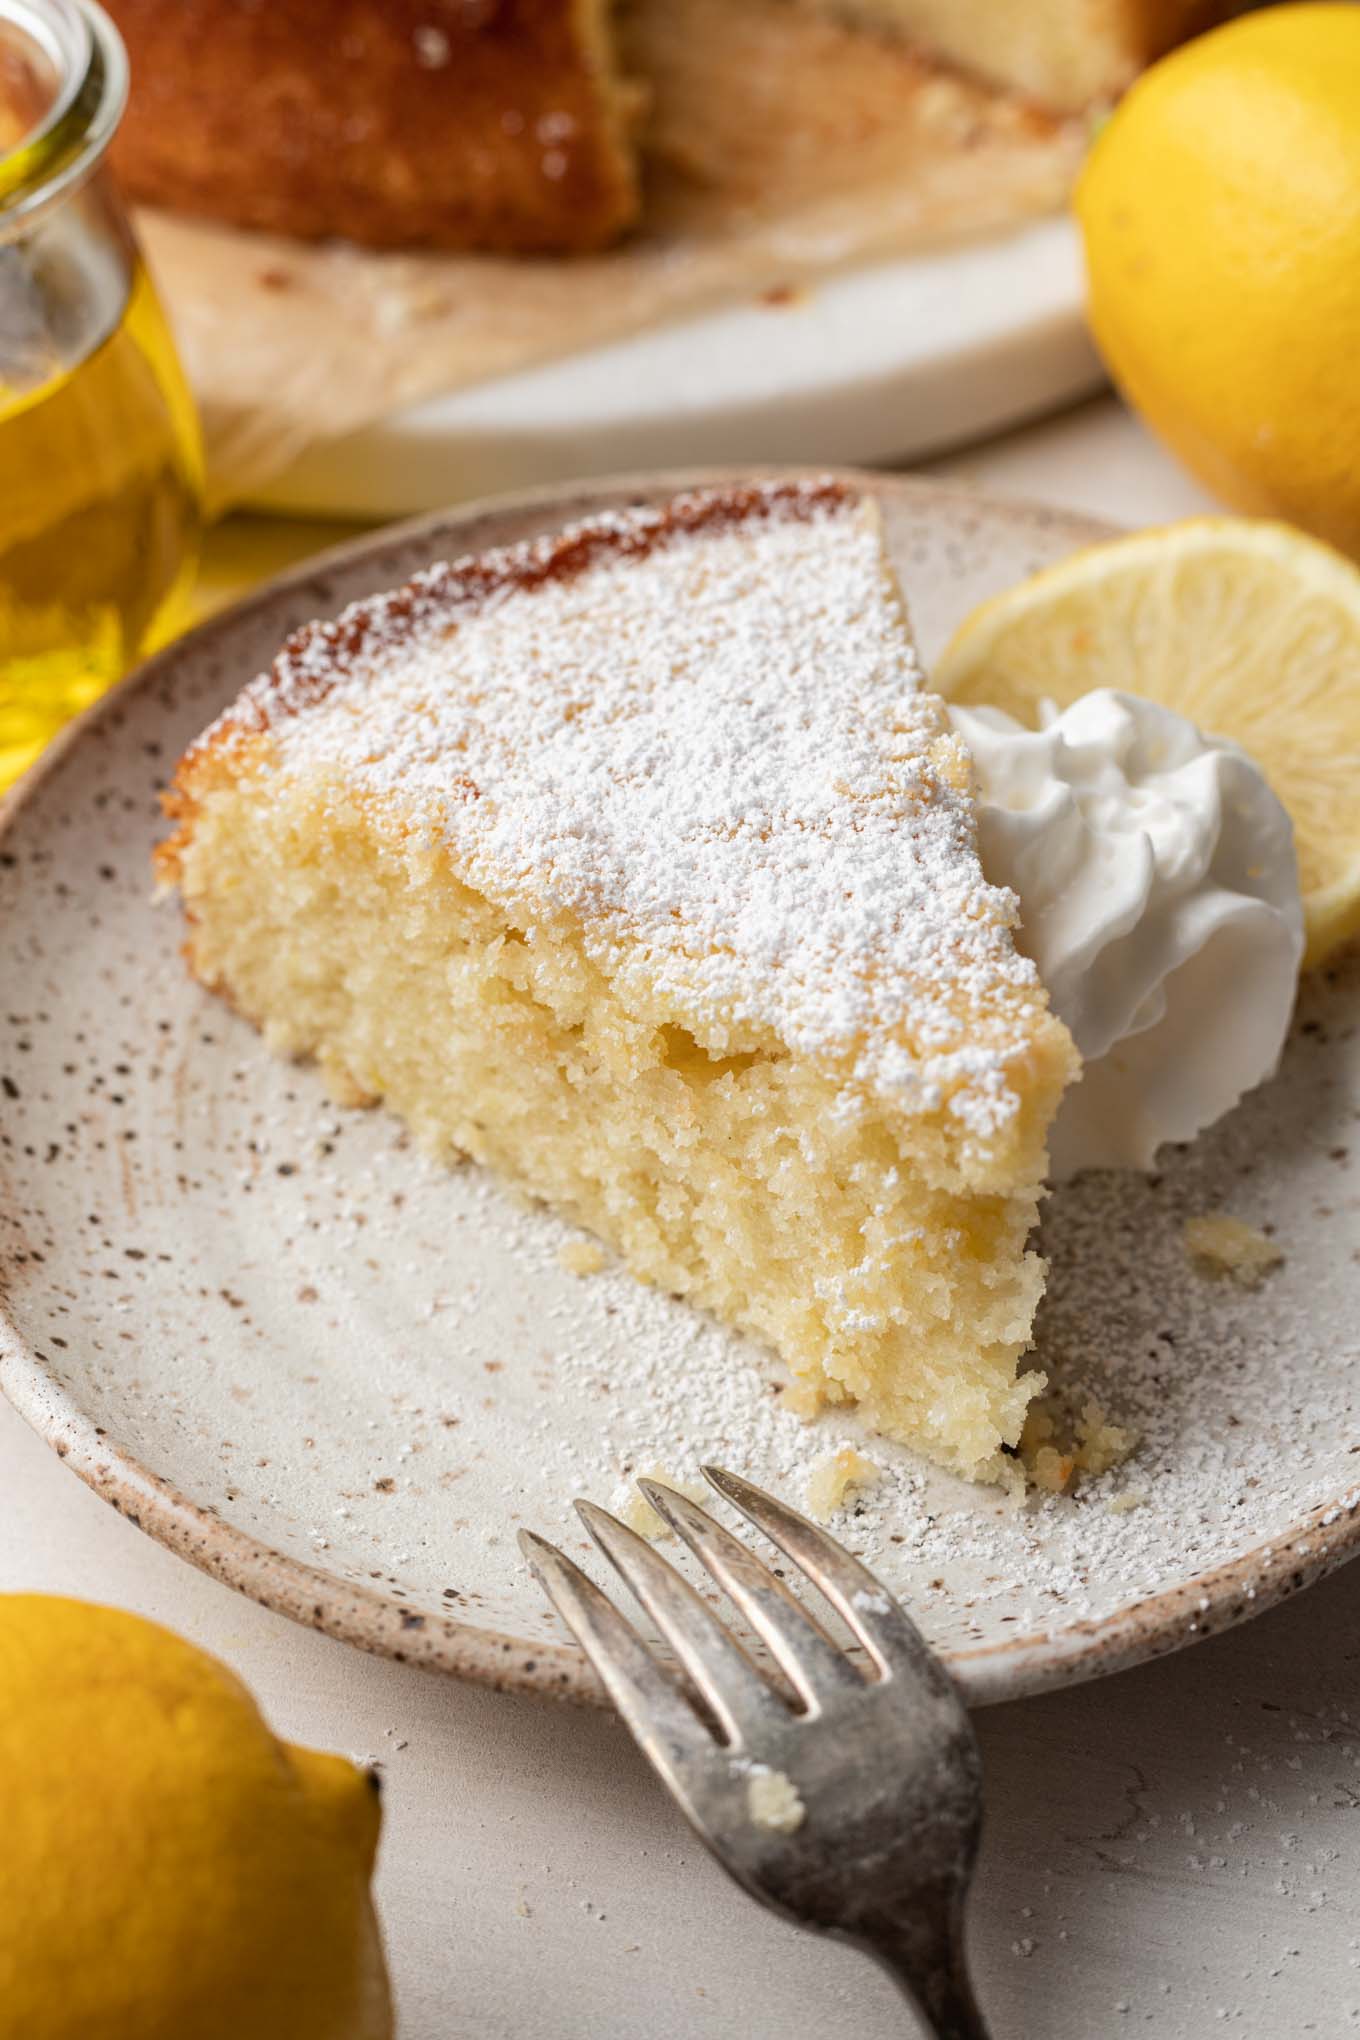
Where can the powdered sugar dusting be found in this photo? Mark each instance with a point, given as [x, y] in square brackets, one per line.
[712, 742]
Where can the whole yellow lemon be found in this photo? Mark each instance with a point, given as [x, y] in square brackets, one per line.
[1220, 208]
[169, 1870]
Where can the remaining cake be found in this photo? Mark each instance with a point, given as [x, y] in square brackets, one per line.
[1067, 54]
[638, 863]
[449, 123]
[510, 124]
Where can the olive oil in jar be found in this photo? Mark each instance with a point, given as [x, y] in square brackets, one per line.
[99, 516]
[100, 469]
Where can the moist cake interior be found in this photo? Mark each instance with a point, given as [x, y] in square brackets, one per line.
[639, 865]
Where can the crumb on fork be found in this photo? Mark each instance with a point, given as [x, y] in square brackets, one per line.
[1222, 1245]
[773, 1801]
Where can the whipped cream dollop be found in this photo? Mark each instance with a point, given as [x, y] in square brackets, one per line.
[1159, 898]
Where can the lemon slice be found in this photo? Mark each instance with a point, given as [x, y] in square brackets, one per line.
[1248, 628]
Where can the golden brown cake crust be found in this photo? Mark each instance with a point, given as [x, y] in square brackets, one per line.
[492, 124]
[316, 656]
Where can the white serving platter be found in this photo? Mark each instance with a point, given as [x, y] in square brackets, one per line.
[883, 364]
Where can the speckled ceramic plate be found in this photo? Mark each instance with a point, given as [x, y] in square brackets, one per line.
[339, 1377]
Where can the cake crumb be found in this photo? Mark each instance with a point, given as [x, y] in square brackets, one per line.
[582, 1257]
[1101, 1444]
[833, 1478]
[773, 1802]
[1054, 1451]
[343, 1088]
[637, 1512]
[1051, 1469]
[803, 1398]
[1221, 1245]
[1123, 1505]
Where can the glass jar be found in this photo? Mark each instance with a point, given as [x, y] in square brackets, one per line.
[100, 464]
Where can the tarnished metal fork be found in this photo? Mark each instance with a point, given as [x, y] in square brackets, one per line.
[856, 1809]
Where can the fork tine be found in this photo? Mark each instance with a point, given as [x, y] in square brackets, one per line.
[716, 1664]
[657, 1713]
[816, 1668]
[881, 1624]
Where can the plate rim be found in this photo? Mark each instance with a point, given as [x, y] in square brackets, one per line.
[1138, 1630]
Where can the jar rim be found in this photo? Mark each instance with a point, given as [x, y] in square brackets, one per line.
[69, 138]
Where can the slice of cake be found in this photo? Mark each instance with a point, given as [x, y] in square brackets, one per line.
[523, 126]
[1064, 53]
[638, 863]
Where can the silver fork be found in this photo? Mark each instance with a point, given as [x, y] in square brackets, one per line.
[855, 1810]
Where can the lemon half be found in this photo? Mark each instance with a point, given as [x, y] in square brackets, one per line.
[1248, 628]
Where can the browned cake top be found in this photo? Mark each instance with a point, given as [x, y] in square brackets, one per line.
[315, 658]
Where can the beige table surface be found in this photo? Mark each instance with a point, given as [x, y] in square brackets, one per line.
[1175, 1852]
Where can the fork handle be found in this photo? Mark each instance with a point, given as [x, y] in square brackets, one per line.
[924, 1955]
[945, 2002]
